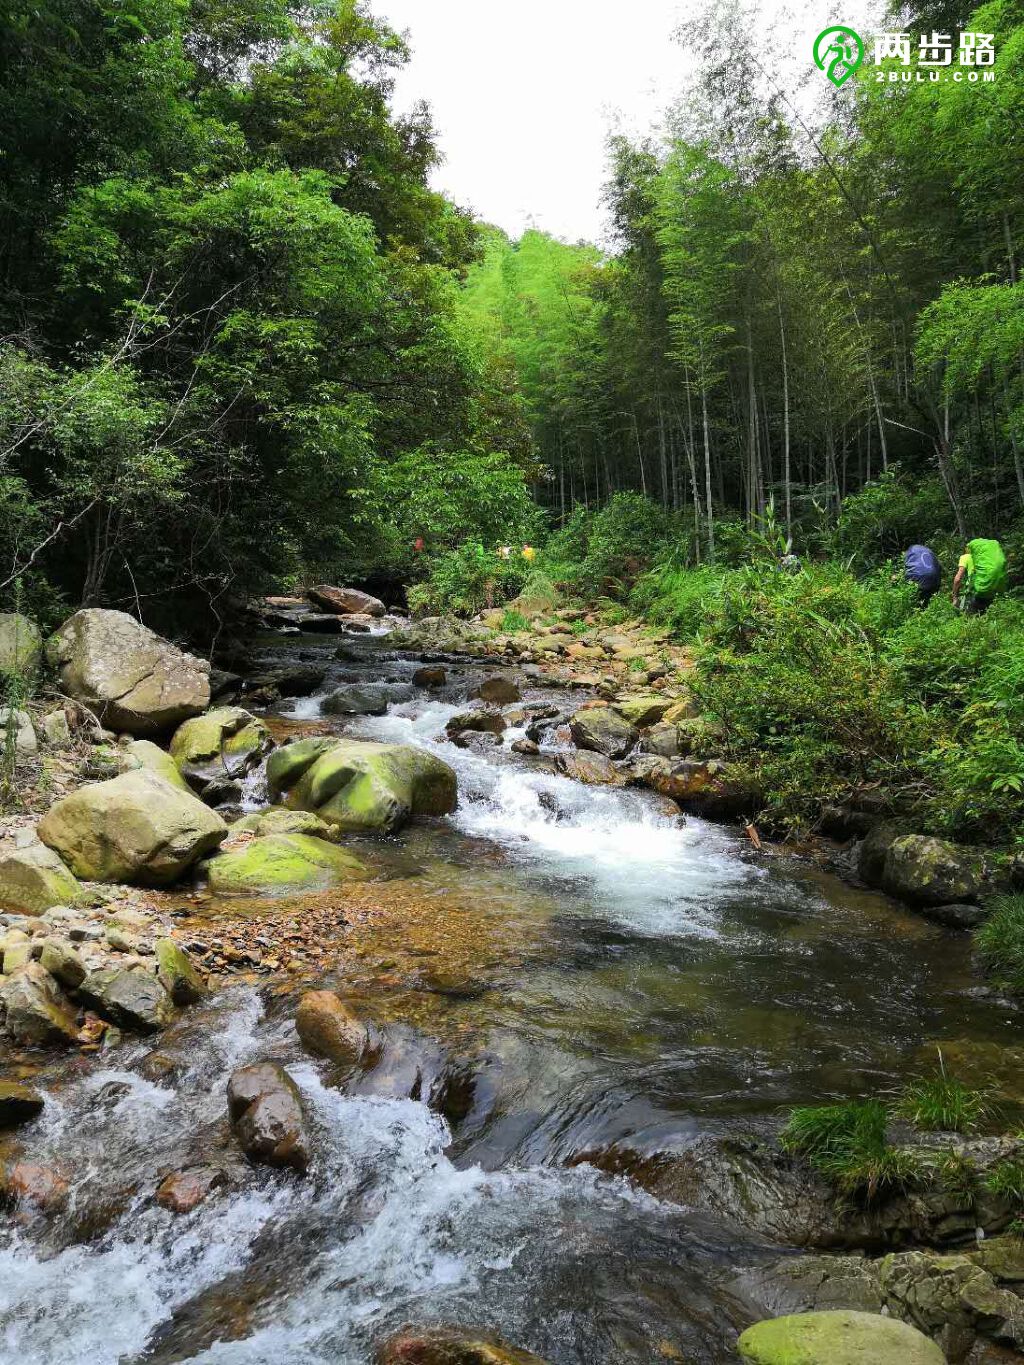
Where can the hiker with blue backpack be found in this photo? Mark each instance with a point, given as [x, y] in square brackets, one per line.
[922, 568]
[982, 575]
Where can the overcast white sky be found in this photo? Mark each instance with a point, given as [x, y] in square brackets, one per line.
[524, 95]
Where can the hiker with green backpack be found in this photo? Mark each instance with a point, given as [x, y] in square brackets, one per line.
[982, 571]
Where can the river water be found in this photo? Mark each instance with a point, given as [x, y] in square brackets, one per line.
[562, 970]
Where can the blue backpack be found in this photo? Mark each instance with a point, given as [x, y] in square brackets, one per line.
[921, 567]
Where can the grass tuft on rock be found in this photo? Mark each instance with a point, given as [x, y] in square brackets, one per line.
[846, 1143]
[1000, 941]
[943, 1104]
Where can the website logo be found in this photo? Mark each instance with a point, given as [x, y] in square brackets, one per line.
[838, 51]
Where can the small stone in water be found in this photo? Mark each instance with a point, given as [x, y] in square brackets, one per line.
[182, 1191]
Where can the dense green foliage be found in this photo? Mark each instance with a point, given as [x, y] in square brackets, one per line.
[1000, 942]
[232, 350]
[847, 1144]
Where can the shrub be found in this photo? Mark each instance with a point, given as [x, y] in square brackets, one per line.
[467, 580]
[607, 550]
[1000, 941]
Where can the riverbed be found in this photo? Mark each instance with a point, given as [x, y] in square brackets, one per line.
[556, 972]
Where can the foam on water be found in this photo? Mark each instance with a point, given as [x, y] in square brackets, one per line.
[634, 863]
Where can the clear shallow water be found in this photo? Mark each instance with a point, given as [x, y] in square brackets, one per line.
[602, 974]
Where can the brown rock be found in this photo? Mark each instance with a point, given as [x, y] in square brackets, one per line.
[498, 691]
[451, 1346]
[266, 1110]
[182, 1191]
[328, 1028]
[37, 1014]
[485, 722]
[18, 1103]
[40, 1186]
[431, 675]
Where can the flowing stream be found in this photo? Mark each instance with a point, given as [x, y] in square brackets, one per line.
[574, 969]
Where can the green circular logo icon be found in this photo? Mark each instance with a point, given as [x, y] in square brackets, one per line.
[838, 51]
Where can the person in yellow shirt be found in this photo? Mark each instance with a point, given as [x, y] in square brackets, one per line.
[529, 553]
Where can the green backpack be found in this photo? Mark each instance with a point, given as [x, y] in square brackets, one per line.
[989, 567]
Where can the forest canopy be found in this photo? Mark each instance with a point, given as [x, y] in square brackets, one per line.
[245, 344]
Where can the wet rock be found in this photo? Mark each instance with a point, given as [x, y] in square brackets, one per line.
[604, 731]
[440, 634]
[183, 1191]
[227, 742]
[590, 768]
[281, 865]
[144, 754]
[478, 740]
[529, 747]
[328, 1028]
[840, 1337]
[36, 1011]
[21, 644]
[177, 973]
[25, 743]
[132, 828]
[133, 1000]
[41, 1187]
[224, 794]
[33, 878]
[295, 680]
[498, 691]
[63, 963]
[278, 820]
[956, 916]
[431, 675]
[320, 623]
[346, 601]
[224, 683]
[932, 871]
[484, 722]
[266, 1111]
[18, 1104]
[129, 676]
[357, 700]
[356, 785]
[452, 1346]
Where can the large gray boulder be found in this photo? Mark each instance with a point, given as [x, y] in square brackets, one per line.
[603, 731]
[357, 785]
[21, 644]
[346, 601]
[932, 871]
[132, 678]
[133, 1000]
[32, 877]
[132, 828]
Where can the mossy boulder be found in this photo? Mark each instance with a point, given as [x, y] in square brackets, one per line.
[643, 711]
[129, 676]
[932, 871]
[840, 1337]
[281, 865]
[177, 973]
[280, 820]
[225, 742]
[133, 828]
[21, 644]
[143, 753]
[33, 878]
[287, 764]
[357, 785]
[604, 731]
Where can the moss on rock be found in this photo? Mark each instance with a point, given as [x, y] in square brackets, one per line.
[281, 864]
